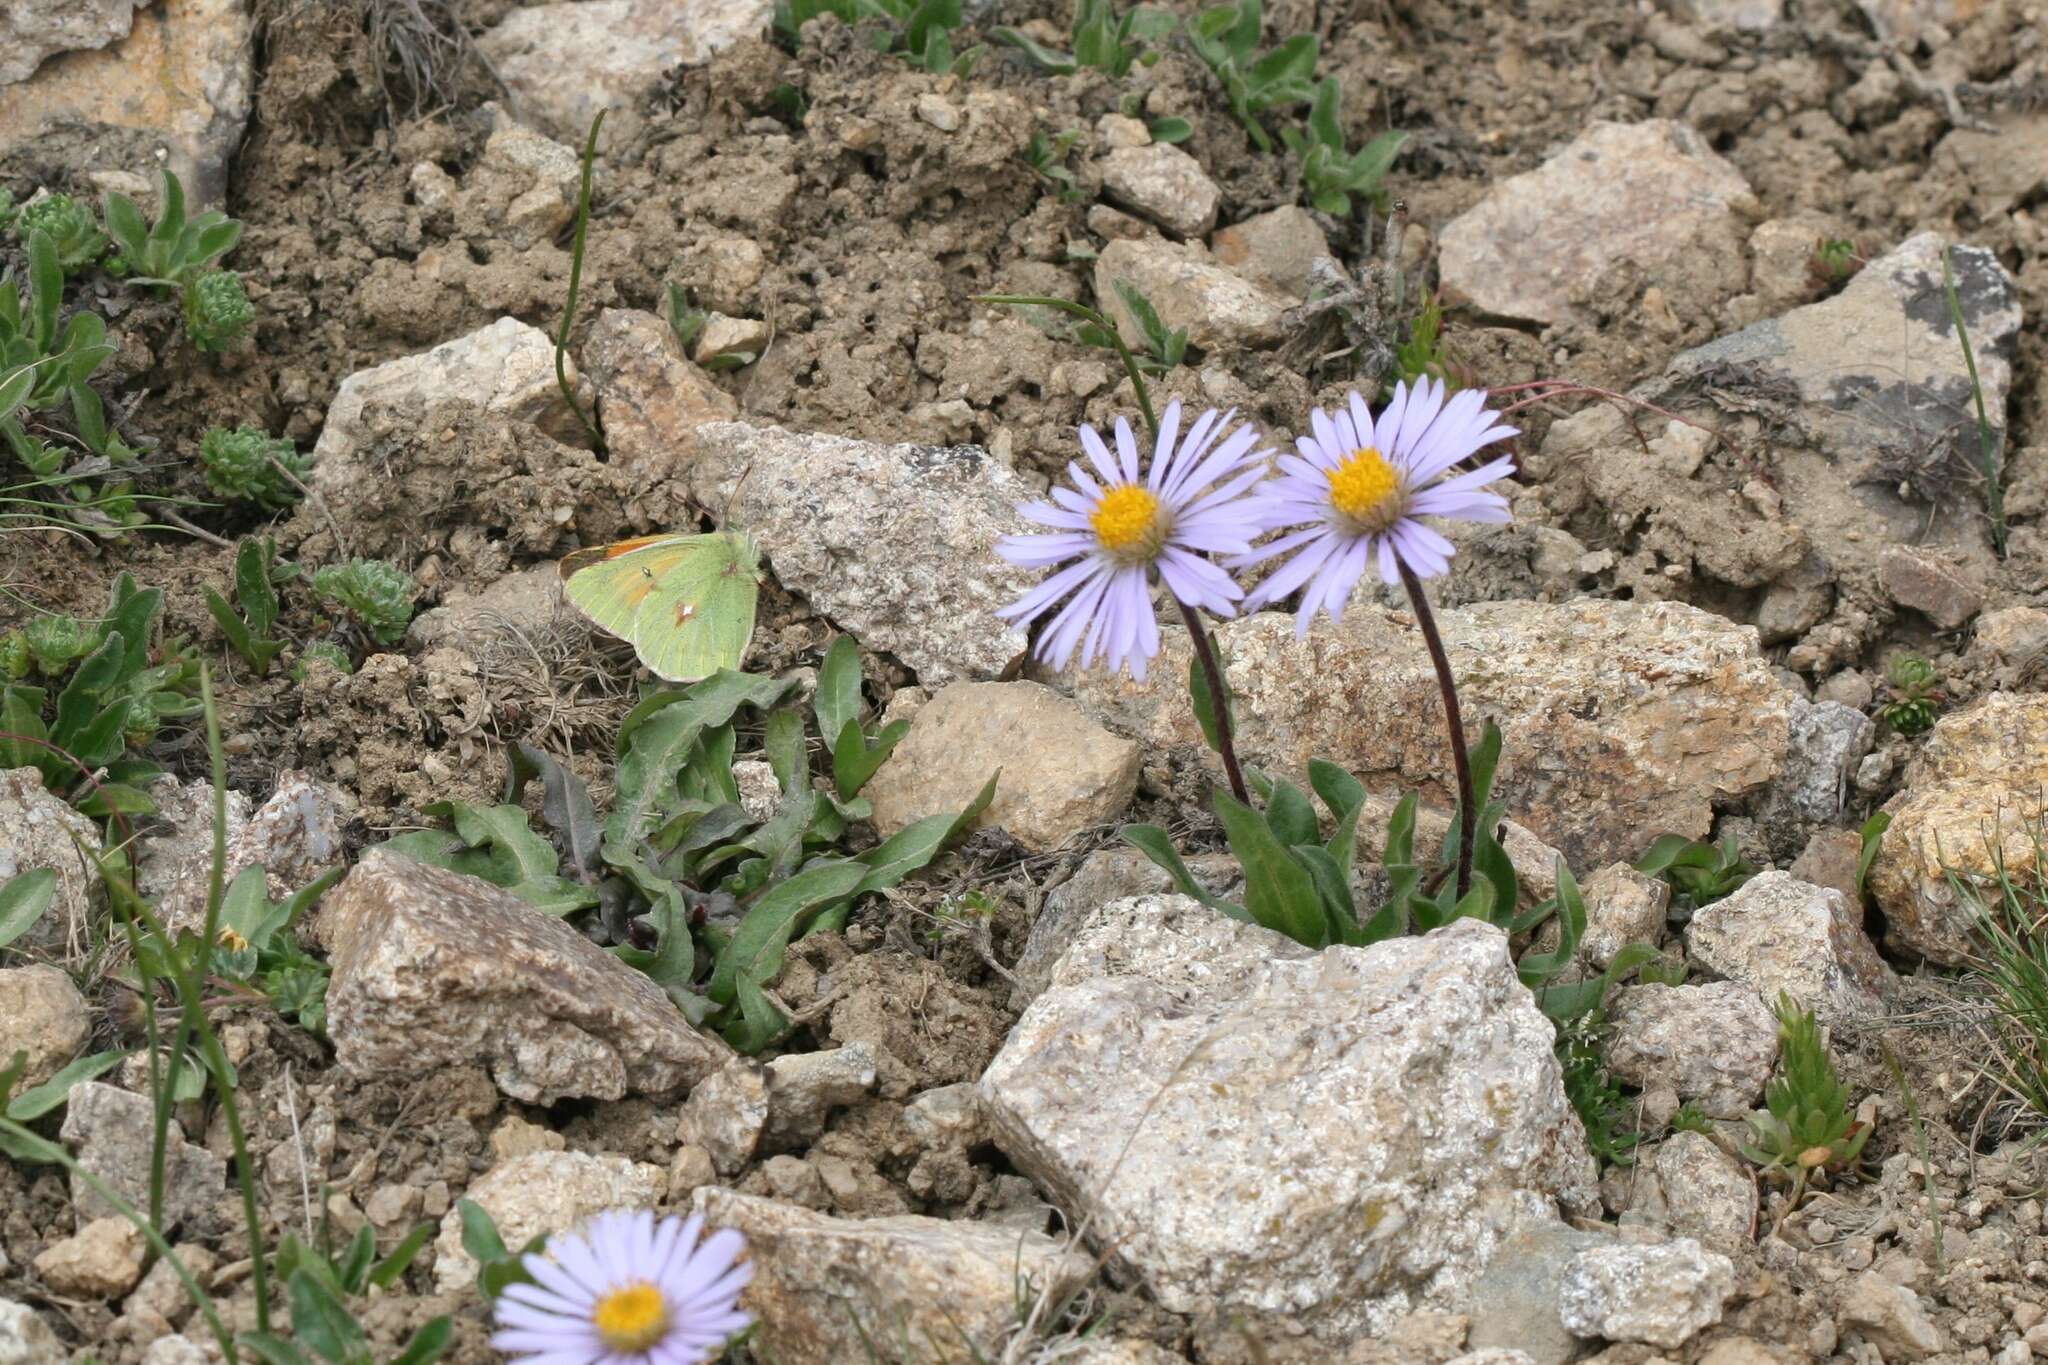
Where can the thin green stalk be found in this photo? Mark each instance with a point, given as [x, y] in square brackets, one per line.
[1926, 1159]
[190, 984]
[575, 283]
[45, 1150]
[1090, 315]
[1987, 446]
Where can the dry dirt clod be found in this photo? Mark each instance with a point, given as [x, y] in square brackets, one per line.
[42, 1015]
[1661, 1296]
[109, 1131]
[1714, 1043]
[103, 1260]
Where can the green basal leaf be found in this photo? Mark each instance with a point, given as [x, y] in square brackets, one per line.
[518, 854]
[386, 1272]
[320, 1319]
[1290, 816]
[1279, 892]
[915, 845]
[782, 737]
[565, 802]
[1333, 885]
[837, 700]
[1156, 844]
[23, 899]
[428, 1344]
[38, 1100]
[755, 951]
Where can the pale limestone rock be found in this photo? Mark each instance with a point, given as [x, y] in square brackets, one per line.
[109, 1130]
[820, 1283]
[1061, 771]
[1165, 184]
[1652, 192]
[1623, 906]
[43, 1016]
[177, 85]
[1714, 1043]
[805, 1087]
[1658, 1295]
[1373, 1120]
[724, 336]
[507, 369]
[725, 1115]
[543, 1193]
[1828, 741]
[1973, 797]
[38, 829]
[1108, 874]
[523, 188]
[432, 969]
[102, 1260]
[650, 399]
[25, 1339]
[295, 836]
[893, 543]
[31, 30]
[1218, 307]
[1275, 248]
[1621, 718]
[562, 63]
[1777, 934]
[1890, 1317]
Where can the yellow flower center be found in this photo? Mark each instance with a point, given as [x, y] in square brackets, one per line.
[631, 1319]
[1366, 491]
[1129, 524]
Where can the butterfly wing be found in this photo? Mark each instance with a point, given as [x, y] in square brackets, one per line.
[701, 617]
[609, 583]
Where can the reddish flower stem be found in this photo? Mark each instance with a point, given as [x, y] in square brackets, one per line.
[1468, 818]
[1205, 657]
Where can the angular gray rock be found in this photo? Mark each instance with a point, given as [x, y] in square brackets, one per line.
[1779, 934]
[1706, 1193]
[433, 969]
[43, 1016]
[507, 368]
[543, 1193]
[1659, 1295]
[1515, 1297]
[1828, 741]
[1187, 288]
[1620, 718]
[1652, 192]
[37, 830]
[1370, 1119]
[562, 63]
[1890, 1317]
[1165, 184]
[1061, 771]
[805, 1087]
[175, 88]
[31, 30]
[823, 1286]
[108, 1130]
[894, 543]
[1713, 1043]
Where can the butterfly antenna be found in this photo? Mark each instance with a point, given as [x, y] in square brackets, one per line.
[721, 519]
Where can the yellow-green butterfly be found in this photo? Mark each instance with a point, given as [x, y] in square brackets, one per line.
[686, 602]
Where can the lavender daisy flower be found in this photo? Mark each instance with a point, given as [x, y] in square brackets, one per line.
[1117, 528]
[1358, 487]
[628, 1291]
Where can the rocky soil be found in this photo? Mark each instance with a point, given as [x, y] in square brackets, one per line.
[1087, 1120]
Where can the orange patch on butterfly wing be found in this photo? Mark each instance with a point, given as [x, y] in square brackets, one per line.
[577, 560]
[684, 611]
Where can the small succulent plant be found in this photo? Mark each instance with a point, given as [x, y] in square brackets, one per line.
[217, 310]
[72, 228]
[251, 465]
[1914, 701]
[1806, 1127]
[377, 594]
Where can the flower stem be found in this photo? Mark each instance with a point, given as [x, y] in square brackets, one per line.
[1108, 329]
[1219, 699]
[1468, 817]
